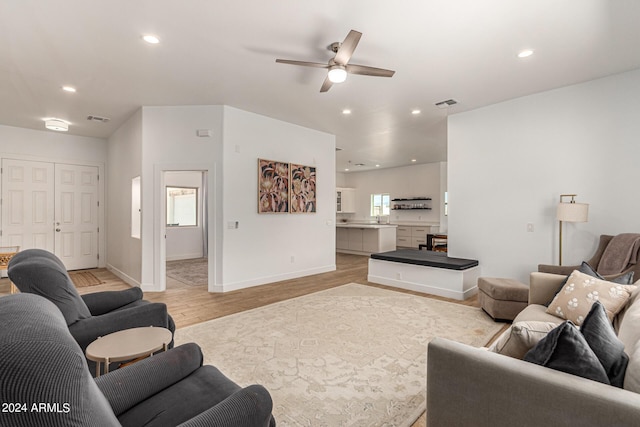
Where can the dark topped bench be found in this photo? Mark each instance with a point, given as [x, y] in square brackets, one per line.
[426, 258]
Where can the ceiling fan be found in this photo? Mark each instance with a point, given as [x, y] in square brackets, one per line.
[339, 66]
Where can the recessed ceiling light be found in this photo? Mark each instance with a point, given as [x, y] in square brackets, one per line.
[525, 53]
[346, 111]
[346, 170]
[377, 166]
[414, 160]
[151, 39]
[416, 111]
[69, 89]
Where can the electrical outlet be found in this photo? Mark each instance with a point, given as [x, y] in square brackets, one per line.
[293, 259]
[399, 276]
[529, 227]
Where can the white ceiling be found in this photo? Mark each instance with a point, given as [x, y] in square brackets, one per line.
[223, 52]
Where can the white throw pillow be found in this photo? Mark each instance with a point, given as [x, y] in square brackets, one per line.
[521, 337]
[576, 297]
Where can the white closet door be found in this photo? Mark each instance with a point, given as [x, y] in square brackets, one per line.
[76, 215]
[27, 204]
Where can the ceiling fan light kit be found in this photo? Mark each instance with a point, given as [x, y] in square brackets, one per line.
[337, 74]
[338, 67]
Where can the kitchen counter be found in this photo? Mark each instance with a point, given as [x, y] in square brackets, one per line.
[365, 238]
[363, 225]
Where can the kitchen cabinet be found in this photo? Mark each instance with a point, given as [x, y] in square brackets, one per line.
[419, 235]
[355, 239]
[342, 238]
[345, 200]
[411, 236]
[365, 239]
[403, 236]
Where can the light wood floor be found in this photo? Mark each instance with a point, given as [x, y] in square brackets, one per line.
[189, 305]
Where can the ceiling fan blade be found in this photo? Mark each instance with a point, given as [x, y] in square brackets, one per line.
[343, 55]
[326, 85]
[369, 71]
[303, 63]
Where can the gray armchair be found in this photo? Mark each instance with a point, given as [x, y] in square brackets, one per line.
[46, 382]
[594, 262]
[90, 316]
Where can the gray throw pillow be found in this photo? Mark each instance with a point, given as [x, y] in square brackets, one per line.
[565, 349]
[601, 338]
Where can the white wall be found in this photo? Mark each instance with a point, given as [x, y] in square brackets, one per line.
[185, 242]
[261, 249]
[170, 142]
[124, 254]
[402, 182]
[51, 146]
[509, 162]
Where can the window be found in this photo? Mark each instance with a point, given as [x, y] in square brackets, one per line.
[380, 204]
[182, 207]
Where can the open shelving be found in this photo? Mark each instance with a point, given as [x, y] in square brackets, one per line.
[411, 203]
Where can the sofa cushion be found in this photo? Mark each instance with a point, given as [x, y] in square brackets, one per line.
[601, 337]
[537, 313]
[565, 349]
[521, 337]
[629, 323]
[632, 375]
[576, 297]
[625, 279]
[36, 271]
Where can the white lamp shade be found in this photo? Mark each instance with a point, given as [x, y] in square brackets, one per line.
[337, 74]
[573, 212]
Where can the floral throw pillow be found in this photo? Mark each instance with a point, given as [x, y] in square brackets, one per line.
[578, 294]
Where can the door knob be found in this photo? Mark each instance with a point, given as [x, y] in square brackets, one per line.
[58, 230]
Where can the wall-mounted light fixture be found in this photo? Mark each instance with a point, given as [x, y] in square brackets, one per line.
[570, 212]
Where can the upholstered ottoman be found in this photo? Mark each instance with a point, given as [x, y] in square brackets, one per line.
[501, 298]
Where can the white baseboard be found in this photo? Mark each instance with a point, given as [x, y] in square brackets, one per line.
[226, 287]
[125, 277]
[184, 256]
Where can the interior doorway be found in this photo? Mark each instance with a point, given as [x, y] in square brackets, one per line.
[186, 233]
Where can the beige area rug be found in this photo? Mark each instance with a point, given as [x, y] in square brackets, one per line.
[83, 279]
[192, 272]
[349, 356]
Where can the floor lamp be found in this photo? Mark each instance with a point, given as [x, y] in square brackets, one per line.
[570, 212]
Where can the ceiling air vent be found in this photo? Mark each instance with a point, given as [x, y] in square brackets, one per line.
[98, 119]
[338, 149]
[446, 104]
[360, 164]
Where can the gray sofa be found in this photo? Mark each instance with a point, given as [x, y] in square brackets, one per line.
[468, 386]
[45, 381]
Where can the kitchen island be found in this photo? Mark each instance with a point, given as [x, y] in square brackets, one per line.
[365, 238]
